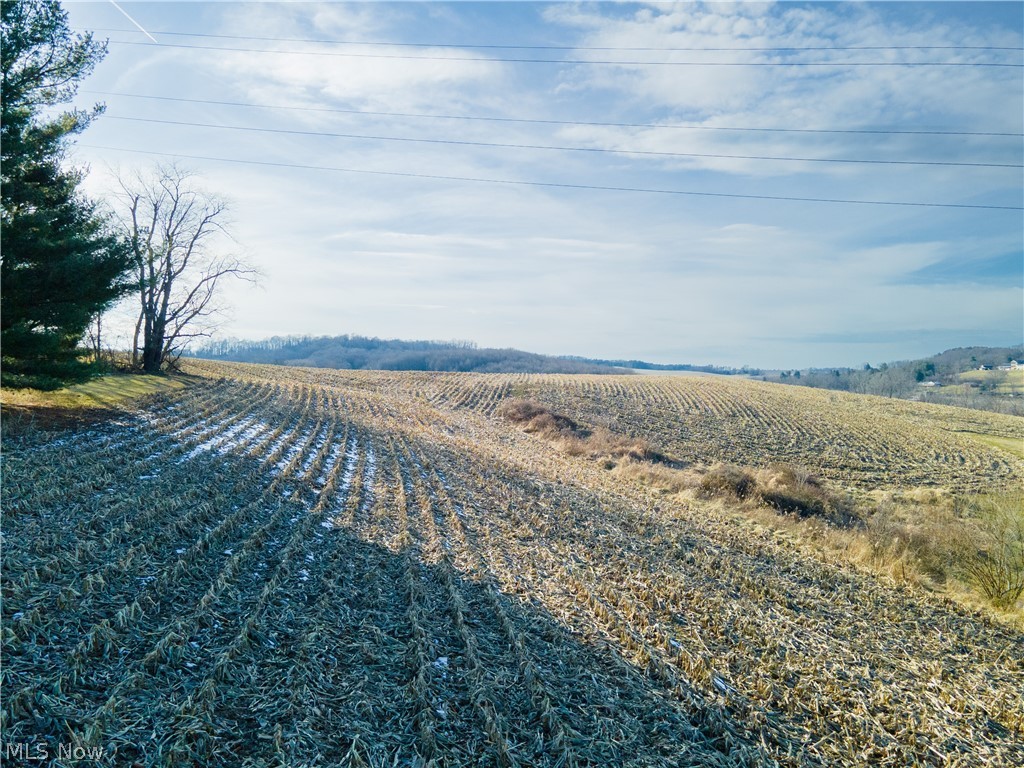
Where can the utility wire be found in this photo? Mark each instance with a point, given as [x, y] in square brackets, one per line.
[557, 185]
[584, 61]
[580, 47]
[550, 122]
[647, 153]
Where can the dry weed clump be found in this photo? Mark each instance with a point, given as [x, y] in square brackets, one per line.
[927, 537]
[664, 477]
[785, 489]
[537, 418]
[963, 542]
[576, 440]
[727, 480]
[794, 491]
[996, 561]
[915, 540]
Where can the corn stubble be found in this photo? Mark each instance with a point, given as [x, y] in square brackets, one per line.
[295, 567]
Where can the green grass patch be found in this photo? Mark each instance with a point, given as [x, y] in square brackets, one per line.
[999, 382]
[1010, 444]
[104, 392]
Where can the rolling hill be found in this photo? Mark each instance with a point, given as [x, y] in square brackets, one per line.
[376, 568]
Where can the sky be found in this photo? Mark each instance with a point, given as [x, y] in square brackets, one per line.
[689, 182]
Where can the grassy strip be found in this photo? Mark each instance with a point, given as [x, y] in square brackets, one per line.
[25, 411]
[103, 392]
[1010, 444]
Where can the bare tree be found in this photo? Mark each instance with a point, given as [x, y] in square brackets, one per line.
[174, 229]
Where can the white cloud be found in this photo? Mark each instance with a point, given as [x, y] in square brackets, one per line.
[609, 274]
[361, 83]
[765, 96]
[368, 79]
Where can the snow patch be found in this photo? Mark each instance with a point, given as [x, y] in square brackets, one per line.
[369, 475]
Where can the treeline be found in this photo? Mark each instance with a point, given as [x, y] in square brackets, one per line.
[933, 379]
[151, 241]
[642, 365]
[349, 352]
[63, 260]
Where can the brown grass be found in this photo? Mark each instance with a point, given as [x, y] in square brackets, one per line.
[538, 418]
[575, 439]
[994, 558]
[784, 489]
[727, 480]
[968, 547]
[961, 545]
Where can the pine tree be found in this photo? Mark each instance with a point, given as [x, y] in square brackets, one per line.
[61, 264]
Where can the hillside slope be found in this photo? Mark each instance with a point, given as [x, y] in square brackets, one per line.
[371, 570]
[861, 440]
[362, 353]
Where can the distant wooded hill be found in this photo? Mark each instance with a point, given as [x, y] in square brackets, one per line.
[359, 352]
[952, 377]
[642, 365]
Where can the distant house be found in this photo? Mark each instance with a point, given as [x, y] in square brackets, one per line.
[930, 384]
[1012, 366]
[984, 367]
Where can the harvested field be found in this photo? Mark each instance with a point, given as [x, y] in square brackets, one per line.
[293, 567]
[860, 440]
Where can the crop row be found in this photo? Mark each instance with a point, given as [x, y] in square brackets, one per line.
[307, 568]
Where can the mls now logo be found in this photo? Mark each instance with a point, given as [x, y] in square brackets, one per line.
[76, 752]
[23, 750]
[27, 751]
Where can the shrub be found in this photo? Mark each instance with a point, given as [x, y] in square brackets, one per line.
[575, 439]
[790, 476]
[727, 480]
[996, 565]
[520, 410]
[795, 491]
[796, 502]
[926, 535]
[539, 418]
[811, 501]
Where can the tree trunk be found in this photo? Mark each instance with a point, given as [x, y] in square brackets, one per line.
[135, 343]
[152, 358]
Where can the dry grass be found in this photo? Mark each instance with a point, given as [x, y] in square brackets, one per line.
[921, 537]
[574, 439]
[727, 480]
[970, 548]
[925, 539]
[666, 479]
[994, 557]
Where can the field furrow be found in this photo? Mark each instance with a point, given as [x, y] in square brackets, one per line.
[317, 568]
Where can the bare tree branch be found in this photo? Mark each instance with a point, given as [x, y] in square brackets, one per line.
[173, 228]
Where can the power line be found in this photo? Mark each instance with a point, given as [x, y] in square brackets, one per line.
[584, 61]
[553, 122]
[558, 185]
[646, 153]
[581, 47]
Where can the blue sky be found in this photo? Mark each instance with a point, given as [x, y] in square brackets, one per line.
[735, 277]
